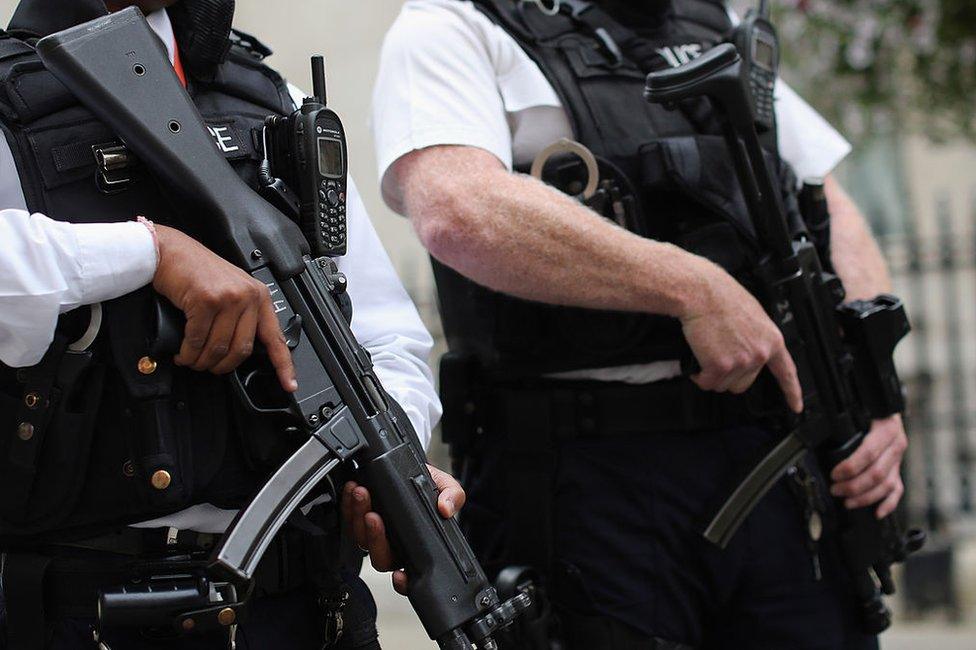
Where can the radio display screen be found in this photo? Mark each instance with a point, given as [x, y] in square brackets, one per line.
[765, 55]
[330, 157]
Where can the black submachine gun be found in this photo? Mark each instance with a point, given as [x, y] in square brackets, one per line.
[843, 351]
[117, 67]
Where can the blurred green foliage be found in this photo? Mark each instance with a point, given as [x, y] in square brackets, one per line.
[873, 65]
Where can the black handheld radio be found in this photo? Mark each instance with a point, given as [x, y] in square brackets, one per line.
[306, 151]
[756, 40]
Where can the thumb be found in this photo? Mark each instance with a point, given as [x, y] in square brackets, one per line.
[451, 495]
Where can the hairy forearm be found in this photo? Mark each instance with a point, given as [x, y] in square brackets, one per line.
[855, 253]
[515, 235]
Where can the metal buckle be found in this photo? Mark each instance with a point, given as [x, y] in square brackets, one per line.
[547, 10]
[114, 164]
[91, 333]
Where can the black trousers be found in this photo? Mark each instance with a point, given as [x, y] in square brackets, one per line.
[628, 512]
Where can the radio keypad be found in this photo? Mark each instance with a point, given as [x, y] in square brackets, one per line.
[332, 213]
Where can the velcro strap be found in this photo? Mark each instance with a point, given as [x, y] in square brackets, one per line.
[72, 156]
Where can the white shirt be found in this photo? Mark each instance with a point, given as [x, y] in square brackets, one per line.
[450, 76]
[49, 267]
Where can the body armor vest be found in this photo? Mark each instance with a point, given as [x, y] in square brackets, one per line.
[666, 175]
[75, 456]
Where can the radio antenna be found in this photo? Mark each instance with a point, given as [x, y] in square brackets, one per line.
[764, 9]
[318, 79]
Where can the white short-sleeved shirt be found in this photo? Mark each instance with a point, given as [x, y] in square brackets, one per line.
[450, 76]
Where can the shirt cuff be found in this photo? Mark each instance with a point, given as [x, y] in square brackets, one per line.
[113, 259]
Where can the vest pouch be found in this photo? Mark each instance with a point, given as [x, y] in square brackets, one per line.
[145, 332]
[43, 466]
[693, 197]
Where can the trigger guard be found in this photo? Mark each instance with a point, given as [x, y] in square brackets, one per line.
[241, 386]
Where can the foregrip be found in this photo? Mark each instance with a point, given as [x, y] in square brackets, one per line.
[447, 585]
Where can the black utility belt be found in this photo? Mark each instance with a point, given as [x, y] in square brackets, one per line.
[575, 409]
[63, 580]
[145, 542]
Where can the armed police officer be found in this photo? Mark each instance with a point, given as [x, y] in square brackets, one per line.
[585, 452]
[124, 449]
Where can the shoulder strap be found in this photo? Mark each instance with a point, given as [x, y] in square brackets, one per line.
[249, 44]
[712, 15]
[537, 34]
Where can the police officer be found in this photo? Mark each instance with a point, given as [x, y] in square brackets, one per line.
[86, 372]
[567, 308]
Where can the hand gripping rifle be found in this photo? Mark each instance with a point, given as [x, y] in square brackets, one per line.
[843, 352]
[117, 67]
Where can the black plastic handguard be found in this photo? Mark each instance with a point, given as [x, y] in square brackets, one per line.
[118, 68]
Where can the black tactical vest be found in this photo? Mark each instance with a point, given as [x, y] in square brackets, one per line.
[668, 172]
[75, 457]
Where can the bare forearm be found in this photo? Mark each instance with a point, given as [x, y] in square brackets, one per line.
[513, 234]
[855, 253]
